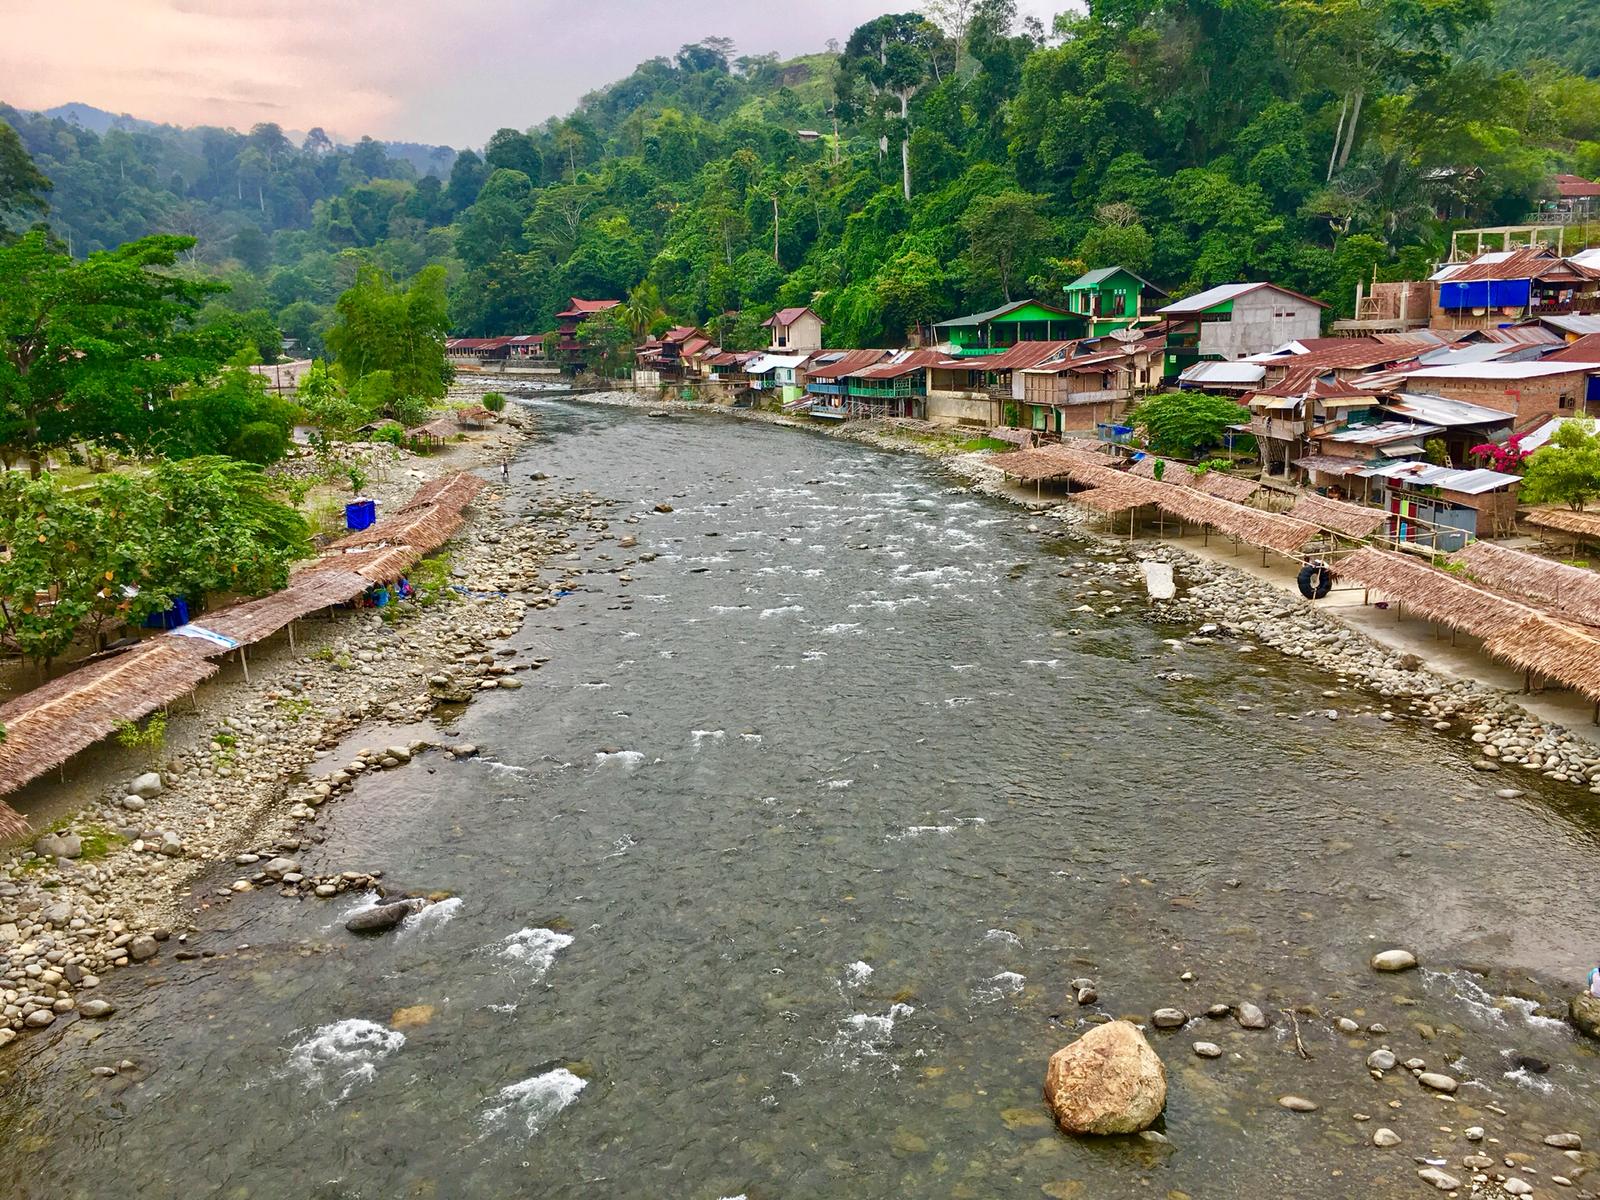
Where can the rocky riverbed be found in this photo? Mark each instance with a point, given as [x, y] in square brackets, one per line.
[124, 875]
[739, 785]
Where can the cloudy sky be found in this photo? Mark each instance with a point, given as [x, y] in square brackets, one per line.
[413, 70]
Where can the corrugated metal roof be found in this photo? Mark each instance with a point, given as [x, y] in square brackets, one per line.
[996, 313]
[1450, 479]
[1540, 436]
[1578, 323]
[1504, 370]
[763, 363]
[1383, 433]
[1223, 293]
[1525, 262]
[1442, 411]
[1093, 278]
[786, 316]
[1018, 358]
[1238, 374]
[827, 366]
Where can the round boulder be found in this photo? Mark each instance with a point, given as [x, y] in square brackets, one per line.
[1393, 960]
[1108, 1081]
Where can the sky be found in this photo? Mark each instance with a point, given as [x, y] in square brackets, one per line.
[402, 70]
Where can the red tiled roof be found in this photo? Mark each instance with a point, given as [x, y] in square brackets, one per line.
[1571, 187]
[1018, 358]
[1352, 354]
[851, 362]
[786, 316]
[1585, 349]
[583, 308]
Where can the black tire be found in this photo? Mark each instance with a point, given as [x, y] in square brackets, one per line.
[1315, 580]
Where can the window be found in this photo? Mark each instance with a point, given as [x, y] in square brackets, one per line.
[1565, 401]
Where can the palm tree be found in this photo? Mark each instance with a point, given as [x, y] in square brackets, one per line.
[643, 310]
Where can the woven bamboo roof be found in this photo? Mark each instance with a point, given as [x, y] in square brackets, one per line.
[1212, 483]
[50, 724]
[1565, 653]
[1435, 594]
[453, 491]
[256, 620]
[1352, 520]
[1030, 464]
[1270, 530]
[1573, 591]
[1111, 498]
[1584, 524]
[439, 427]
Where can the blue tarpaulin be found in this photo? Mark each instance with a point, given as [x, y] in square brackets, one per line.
[1509, 293]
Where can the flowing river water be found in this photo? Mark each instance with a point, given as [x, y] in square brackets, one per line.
[773, 881]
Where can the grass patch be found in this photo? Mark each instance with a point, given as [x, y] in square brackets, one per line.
[984, 443]
[294, 707]
[98, 841]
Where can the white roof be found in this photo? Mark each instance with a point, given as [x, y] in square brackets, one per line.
[1578, 323]
[1503, 370]
[1536, 438]
[1451, 479]
[1218, 295]
[1449, 269]
[1241, 373]
[771, 362]
[1585, 258]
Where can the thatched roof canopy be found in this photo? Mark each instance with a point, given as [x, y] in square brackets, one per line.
[1435, 594]
[1111, 498]
[1570, 590]
[1565, 653]
[453, 491]
[1270, 530]
[1030, 465]
[50, 724]
[1352, 520]
[1584, 524]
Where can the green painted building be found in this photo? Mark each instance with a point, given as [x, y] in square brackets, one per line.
[1111, 298]
[997, 330]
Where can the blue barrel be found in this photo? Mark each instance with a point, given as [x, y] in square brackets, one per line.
[177, 615]
[360, 514]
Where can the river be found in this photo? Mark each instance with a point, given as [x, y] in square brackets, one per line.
[772, 883]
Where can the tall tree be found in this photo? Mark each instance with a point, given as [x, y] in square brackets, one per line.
[93, 351]
[22, 185]
[885, 63]
[383, 326]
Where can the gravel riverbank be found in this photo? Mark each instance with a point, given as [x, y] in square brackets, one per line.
[128, 870]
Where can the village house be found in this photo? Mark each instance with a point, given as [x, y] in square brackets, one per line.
[894, 387]
[1236, 320]
[827, 392]
[1110, 299]
[569, 348]
[1525, 390]
[1093, 385]
[985, 390]
[1444, 507]
[794, 331]
[999, 329]
[777, 375]
[669, 358]
[1500, 287]
[1290, 417]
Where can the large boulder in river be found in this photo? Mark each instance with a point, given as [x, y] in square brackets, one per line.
[1108, 1081]
[380, 917]
[1585, 1014]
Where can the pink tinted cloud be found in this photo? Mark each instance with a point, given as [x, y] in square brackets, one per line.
[403, 69]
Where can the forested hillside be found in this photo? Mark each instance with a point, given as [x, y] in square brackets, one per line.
[1194, 141]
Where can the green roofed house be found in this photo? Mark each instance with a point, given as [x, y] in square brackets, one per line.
[997, 330]
[1111, 298]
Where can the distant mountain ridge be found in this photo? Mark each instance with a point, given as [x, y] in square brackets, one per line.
[427, 159]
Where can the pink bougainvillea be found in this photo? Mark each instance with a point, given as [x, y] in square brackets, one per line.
[1507, 456]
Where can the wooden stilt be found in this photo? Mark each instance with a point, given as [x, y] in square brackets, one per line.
[291, 635]
[244, 661]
